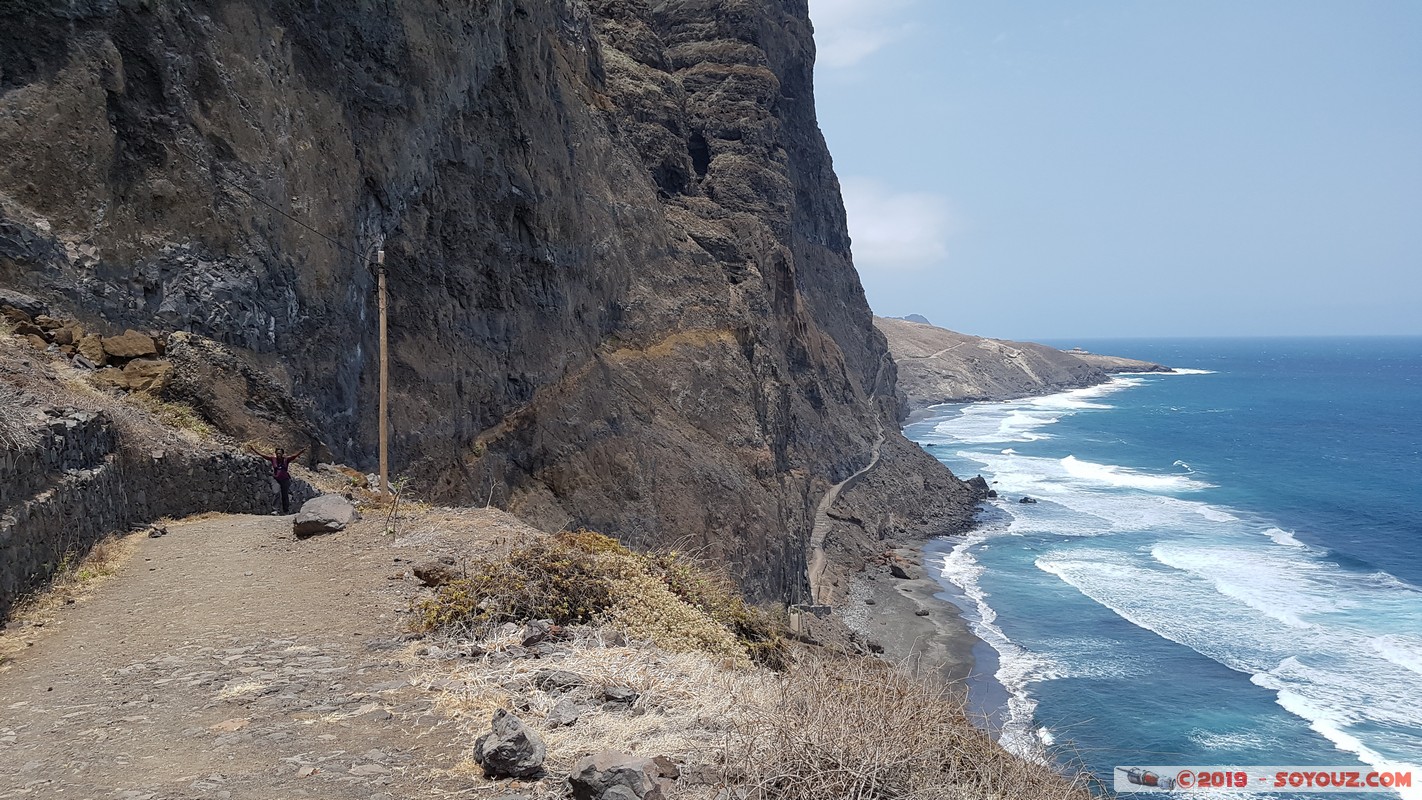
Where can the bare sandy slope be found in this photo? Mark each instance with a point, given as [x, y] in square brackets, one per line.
[229, 660]
[937, 365]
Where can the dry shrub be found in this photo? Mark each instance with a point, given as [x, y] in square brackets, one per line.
[861, 729]
[647, 607]
[76, 574]
[16, 432]
[582, 577]
[174, 415]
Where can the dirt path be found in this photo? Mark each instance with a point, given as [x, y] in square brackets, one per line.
[229, 660]
[823, 521]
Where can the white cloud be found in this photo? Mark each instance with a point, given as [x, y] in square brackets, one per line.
[896, 230]
[849, 31]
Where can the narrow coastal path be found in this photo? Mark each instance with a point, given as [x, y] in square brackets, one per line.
[228, 660]
[823, 521]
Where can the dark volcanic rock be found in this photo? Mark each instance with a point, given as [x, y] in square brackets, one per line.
[328, 513]
[509, 750]
[615, 776]
[979, 486]
[619, 271]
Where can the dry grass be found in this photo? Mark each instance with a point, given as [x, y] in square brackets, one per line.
[684, 698]
[74, 578]
[16, 432]
[582, 577]
[862, 729]
[176, 416]
[847, 728]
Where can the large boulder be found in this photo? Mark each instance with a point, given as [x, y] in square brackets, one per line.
[325, 514]
[147, 374]
[509, 750]
[110, 378]
[610, 775]
[979, 485]
[131, 344]
[91, 347]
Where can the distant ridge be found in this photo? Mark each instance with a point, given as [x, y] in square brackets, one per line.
[937, 365]
[919, 318]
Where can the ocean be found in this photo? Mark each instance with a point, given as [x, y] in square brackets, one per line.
[1224, 566]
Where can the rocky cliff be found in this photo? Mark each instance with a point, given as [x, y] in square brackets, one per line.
[621, 287]
[936, 365]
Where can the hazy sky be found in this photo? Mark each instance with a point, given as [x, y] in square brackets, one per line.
[1055, 168]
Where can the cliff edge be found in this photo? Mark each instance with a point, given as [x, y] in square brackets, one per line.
[937, 365]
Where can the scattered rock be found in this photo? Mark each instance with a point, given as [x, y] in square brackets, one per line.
[899, 572]
[438, 572]
[157, 530]
[666, 767]
[550, 680]
[147, 374]
[509, 750]
[36, 341]
[131, 344]
[15, 302]
[1028, 500]
[537, 631]
[620, 694]
[922, 612]
[110, 378]
[325, 514]
[616, 776]
[564, 713]
[992, 493]
[91, 348]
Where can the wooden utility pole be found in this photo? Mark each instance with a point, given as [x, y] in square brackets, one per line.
[384, 380]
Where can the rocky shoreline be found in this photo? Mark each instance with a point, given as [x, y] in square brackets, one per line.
[902, 607]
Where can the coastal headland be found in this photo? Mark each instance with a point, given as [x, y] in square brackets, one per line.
[937, 365]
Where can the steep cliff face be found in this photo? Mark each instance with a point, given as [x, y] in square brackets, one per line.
[621, 290]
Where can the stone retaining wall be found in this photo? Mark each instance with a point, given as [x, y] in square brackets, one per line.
[81, 483]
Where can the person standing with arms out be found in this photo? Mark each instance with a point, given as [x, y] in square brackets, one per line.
[281, 472]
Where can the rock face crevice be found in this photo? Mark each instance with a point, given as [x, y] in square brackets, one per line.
[621, 287]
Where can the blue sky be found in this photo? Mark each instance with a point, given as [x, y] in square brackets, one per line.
[1050, 169]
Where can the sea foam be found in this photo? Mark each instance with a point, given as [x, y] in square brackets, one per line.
[1333, 645]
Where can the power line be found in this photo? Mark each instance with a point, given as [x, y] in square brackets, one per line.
[234, 185]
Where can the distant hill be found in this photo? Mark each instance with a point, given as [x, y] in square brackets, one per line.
[942, 366]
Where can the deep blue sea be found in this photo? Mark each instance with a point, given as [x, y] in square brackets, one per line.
[1224, 566]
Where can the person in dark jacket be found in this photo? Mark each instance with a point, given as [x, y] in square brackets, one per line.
[281, 472]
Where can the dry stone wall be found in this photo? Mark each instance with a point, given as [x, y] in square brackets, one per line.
[82, 481]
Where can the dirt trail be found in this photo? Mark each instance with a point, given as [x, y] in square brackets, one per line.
[823, 521]
[229, 660]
